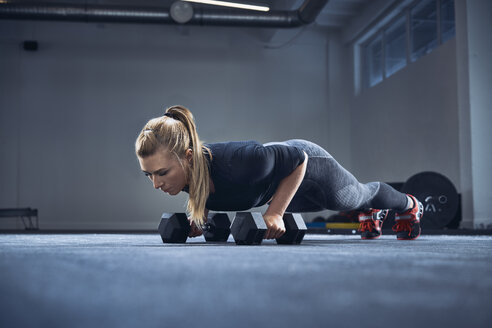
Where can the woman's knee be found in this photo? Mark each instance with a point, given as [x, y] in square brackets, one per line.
[351, 197]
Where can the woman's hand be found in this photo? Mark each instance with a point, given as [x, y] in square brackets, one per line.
[194, 232]
[275, 226]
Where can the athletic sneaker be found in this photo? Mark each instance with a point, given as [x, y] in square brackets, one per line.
[407, 225]
[371, 222]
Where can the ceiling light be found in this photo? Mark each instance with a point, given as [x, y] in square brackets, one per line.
[230, 4]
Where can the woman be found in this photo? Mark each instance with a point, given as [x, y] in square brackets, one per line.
[294, 175]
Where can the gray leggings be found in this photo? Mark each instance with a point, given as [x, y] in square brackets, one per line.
[327, 185]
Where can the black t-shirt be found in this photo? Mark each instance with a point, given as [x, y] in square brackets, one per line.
[246, 174]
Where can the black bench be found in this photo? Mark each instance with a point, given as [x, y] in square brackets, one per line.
[24, 213]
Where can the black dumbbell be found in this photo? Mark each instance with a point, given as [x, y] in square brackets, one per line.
[175, 227]
[295, 229]
[250, 228]
[217, 227]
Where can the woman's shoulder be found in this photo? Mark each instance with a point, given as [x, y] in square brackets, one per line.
[231, 147]
[237, 143]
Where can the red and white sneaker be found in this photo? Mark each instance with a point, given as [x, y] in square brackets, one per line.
[371, 222]
[407, 225]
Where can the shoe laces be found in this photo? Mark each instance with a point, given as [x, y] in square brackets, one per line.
[403, 225]
[366, 225]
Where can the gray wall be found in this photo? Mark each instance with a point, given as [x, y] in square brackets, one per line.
[409, 122]
[436, 110]
[71, 111]
[474, 50]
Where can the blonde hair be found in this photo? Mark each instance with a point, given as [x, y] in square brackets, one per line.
[176, 133]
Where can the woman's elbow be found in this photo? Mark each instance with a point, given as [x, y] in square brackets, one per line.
[306, 157]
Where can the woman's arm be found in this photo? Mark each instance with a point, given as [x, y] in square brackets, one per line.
[281, 199]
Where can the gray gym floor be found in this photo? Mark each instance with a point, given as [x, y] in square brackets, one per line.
[133, 280]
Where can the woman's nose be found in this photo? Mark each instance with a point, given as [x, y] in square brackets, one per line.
[157, 183]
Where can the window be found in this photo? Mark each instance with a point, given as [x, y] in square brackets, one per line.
[447, 20]
[374, 62]
[395, 50]
[403, 36]
[423, 28]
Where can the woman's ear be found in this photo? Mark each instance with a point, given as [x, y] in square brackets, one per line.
[189, 155]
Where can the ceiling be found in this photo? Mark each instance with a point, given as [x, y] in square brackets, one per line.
[336, 13]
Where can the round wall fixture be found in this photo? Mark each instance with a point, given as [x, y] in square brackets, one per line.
[181, 12]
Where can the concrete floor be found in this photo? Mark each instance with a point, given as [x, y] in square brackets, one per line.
[130, 280]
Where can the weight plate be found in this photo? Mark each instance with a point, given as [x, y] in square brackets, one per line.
[438, 195]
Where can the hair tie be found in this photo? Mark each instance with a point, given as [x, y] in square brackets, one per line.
[168, 115]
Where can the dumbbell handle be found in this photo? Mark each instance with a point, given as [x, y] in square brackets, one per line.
[207, 227]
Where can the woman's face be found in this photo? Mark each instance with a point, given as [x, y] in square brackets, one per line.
[165, 172]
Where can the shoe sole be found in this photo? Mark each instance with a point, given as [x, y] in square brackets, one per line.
[420, 231]
[377, 237]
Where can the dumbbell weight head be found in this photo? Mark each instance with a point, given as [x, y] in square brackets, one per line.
[295, 229]
[174, 227]
[248, 228]
[217, 228]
